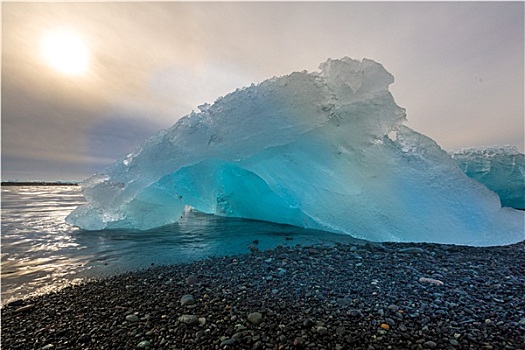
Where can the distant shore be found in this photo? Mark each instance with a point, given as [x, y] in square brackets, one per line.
[38, 183]
[371, 296]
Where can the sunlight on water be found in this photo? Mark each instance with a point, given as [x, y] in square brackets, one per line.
[41, 253]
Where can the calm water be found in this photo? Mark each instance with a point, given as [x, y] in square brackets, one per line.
[41, 253]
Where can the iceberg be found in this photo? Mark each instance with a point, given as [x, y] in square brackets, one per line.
[500, 168]
[324, 150]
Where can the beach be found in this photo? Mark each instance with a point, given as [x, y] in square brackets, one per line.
[341, 296]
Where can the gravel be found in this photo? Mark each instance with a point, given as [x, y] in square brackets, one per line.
[318, 297]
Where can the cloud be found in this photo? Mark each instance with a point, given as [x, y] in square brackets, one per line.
[458, 67]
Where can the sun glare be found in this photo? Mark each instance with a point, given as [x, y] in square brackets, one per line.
[66, 52]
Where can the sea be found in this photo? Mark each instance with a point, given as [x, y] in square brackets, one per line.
[41, 253]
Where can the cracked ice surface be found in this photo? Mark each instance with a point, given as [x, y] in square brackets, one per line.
[306, 149]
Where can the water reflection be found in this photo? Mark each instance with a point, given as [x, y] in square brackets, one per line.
[40, 252]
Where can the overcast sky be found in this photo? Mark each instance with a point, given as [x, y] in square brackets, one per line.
[459, 70]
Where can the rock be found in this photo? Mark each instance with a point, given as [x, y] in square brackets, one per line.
[431, 281]
[48, 346]
[15, 303]
[189, 319]
[230, 341]
[453, 342]
[255, 318]
[298, 342]
[340, 330]
[132, 318]
[187, 300]
[390, 321]
[393, 307]
[344, 301]
[84, 338]
[192, 280]
[355, 313]
[144, 344]
[322, 330]
[430, 344]
[25, 308]
[413, 250]
[308, 323]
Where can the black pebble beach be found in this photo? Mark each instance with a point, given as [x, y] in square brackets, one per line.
[372, 296]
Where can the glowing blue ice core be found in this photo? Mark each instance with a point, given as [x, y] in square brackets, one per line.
[307, 149]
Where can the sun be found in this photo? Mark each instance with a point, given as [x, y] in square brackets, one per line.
[66, 52]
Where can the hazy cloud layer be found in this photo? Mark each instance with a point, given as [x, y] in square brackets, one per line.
[458, 68]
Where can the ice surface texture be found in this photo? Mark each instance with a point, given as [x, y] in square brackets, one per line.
[323, 150]
[500, 168]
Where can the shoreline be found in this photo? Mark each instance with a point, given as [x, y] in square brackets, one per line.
[345, 296]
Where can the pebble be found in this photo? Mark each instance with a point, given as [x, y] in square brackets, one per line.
[255, 318]
[230, 341]
[322, 303]
[308, 323]
[132, 318]
[355, 313]
[322, 330]
[430, 344]
[298, 342]
[189, 319]
[390, 321]
[25, 308]
[84, 338]
[48, 346]
[144, 344]
[186, 300]
[192, 280]
[431, 281]
[393, 307]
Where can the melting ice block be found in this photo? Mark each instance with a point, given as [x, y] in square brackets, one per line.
[500, 168]
[325, 150]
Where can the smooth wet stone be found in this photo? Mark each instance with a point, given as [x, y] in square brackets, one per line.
[322, 330]
[298, 342]
[25, 308]
[255, 318]
[430, 344]
[230, 341]
[144, 344]
[393, 307]
[132, 318]
[355, 313]
[192, 280]
[189, 319]
[187, 300]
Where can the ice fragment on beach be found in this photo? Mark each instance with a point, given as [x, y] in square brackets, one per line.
[500, 168]
[306, 149]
